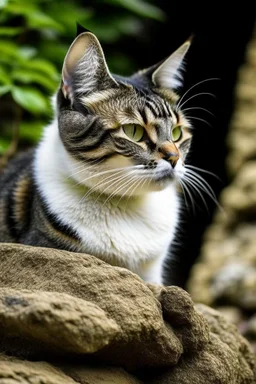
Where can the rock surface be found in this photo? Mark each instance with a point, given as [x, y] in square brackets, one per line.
[79, 314]
[225, 275]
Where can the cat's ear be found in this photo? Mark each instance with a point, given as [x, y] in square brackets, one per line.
[80, 29]
[85, 69]
[169, 73]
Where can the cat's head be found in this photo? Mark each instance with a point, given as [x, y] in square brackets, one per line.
[124, 135]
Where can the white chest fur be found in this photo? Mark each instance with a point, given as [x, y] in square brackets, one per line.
[135, 235]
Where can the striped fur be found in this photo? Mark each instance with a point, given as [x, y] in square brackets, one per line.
[88, 187]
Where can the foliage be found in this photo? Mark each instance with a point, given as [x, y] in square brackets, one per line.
[34, 36]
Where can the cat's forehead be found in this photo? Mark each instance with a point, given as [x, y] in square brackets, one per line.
[132, 103]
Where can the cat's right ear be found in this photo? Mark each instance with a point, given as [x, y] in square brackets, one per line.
[85, 69]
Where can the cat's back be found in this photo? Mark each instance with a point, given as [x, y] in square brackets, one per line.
[15, 194]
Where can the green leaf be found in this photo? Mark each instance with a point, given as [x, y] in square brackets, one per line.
[4, 89]
[30, 99]
[10, 31]
[28, 77]
[140, 8]
[20, 8]
[27, 52]
[39, 20]
[31, 130]
[8, 50]
[4, 144]
[4, 77]
[3, 3]
[42, 66]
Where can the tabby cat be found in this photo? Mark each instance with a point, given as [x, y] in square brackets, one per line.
[103, 179]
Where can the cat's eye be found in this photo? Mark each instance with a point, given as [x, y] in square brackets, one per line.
[176, 133]
[135, 132]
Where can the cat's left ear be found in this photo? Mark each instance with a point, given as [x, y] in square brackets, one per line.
[169, 73]
[85, 69]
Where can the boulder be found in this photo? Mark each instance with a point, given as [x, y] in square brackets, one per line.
[66, 317]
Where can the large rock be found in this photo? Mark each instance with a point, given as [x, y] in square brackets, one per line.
[136, 315]
[13, 371]
[79, 314]
[59, 321]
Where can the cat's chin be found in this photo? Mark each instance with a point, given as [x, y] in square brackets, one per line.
[155, 185]
[161, 183]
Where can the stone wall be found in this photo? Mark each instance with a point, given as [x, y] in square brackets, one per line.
[225, 276]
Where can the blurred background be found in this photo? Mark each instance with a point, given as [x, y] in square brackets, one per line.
[219, 88]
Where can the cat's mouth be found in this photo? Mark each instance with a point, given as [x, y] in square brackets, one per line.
[164, 176]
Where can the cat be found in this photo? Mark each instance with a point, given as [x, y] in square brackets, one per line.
[104, 178]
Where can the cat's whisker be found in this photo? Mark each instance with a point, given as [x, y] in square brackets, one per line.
[113, 179]
[196, 85]
[114, 193]
[199, 182]
[115, 170]
[203, 109]
[183, 192]
[204, 186]
[196, 188]
[198, 178]
[196, 95]
[188, 166]
[117, 182]
[136, 183]
[143, 181]
[186, 188]
[82, 167]
[199, 119]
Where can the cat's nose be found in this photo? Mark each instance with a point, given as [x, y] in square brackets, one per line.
[170, 153]
[172, 157]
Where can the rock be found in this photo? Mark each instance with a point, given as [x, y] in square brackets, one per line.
[26, 372]
[220, 361]
[143, 335]
[100, 375]
[56, 321]
[189, 325]
[14, 371]
[80, 314]
[232, 314]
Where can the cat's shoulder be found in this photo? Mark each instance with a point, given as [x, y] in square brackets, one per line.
[20, 163]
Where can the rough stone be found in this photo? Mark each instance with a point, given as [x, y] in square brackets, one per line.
[225, 274]
[220, 361]
[27, 372]
[57, 321]
[122, 295]
[154, 334]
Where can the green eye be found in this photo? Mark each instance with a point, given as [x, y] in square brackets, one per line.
[135, 132]
[176, 133]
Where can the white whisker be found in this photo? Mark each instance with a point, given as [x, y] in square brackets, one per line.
[112, 180]
[199, 181]
[195, 85]
[183, 192]
[203, 109]
[202, 170]
[200, 119]
[115, 170]
[193, 184]
[114, 193]
[198, 94]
